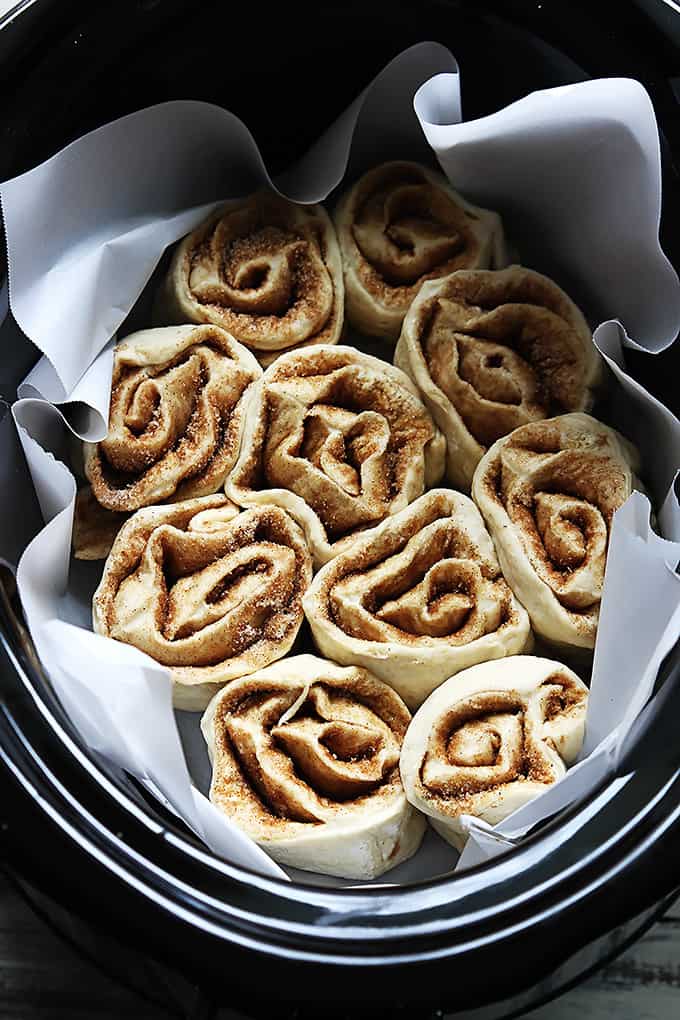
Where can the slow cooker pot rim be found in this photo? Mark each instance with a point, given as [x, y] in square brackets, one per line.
[347, 915]
[13, 12]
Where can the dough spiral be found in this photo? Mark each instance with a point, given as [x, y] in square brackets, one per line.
[490, 351]
[491, 739]
[305, 759]
[263, 268]
[417, 598]
[548, 493]
[400, 225]
[338, 439]
[178, 401]
[210, 592]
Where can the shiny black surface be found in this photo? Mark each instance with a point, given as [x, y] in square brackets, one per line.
[90, 837]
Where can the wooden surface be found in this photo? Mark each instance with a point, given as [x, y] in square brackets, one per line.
[41, 978]
[643, 984]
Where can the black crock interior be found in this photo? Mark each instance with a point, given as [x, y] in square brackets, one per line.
[68, 67]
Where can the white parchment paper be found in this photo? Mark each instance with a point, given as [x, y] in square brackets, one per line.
[560, 165]
[576, 174]
[86, 228]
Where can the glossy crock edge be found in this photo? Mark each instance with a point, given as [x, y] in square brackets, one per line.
[13, 12]
[341, 918]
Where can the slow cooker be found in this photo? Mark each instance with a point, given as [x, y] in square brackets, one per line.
[111, 868]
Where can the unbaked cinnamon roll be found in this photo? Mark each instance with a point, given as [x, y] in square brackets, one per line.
[491, 739]
[490, 351]
[338, 439]
[212, 593]
[548, 492]
[177, 409]
[305, 760]
[400, 225]
[418, 598]
[263, 268]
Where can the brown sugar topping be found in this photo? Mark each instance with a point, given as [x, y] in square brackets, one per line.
[341, 433]
[506, 348]
[266, 270]
[174, 425]
[560, 488]
[407, 229]
[291, 754]
[216, 598]
[490, 741]
[424, 581]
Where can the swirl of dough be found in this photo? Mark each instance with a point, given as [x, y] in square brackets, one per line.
[490, 351]
[265, 269]
[210, 592]
[548, 492]
[400, 225]
[491, 739]
[177, 410]
[305, 759]
[338, 439]
[417, 598]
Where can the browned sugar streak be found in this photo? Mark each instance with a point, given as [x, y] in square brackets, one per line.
[308, 710]
[119, 480]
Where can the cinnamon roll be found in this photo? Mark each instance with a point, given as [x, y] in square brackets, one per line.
[212, 593]
[305, 759]
[548, 492]
[491, 739]
[490, 351]
[400, 225]
[177, 408]
[263, 268]
[418, 598]
[338, 439]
